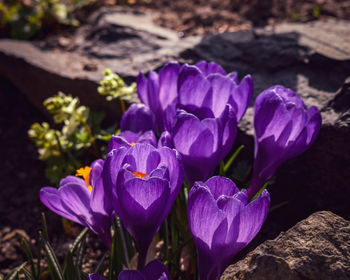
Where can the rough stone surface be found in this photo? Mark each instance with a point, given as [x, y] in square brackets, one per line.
[308, 58]
[112, 38]
[314, 249]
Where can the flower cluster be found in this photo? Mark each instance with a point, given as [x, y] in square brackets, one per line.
[184, 127]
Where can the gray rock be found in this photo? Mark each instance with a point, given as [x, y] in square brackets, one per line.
[113, 38]
[305, 57]
[316, 248]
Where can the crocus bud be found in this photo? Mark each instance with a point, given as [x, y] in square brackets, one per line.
[284, 128]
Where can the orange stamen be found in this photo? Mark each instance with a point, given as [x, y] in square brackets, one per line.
[139, 174]
[85, 173]
[132, 143]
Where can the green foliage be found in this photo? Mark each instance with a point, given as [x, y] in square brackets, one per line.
[113, 86]
[62, 149]
[25, 18]
[316, 11]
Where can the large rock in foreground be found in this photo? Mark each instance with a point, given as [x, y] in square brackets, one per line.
[317, 248]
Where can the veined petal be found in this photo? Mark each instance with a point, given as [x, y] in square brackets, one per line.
[242, 96]
[189, 132]
[192, 86]
[112, 165]
[142, 88]
[222, 88]
[219, 186]
[252, 218]
[51, 199]
[208, 68]
[142, 200]
[137, 118]
[168, 77]
[204, 216]
[142, 158]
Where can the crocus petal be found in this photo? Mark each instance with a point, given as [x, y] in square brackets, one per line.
[142, 158]
[76, 198]
[95, 276]
[155, 270]
[99, 202]
[165, 140]
[203, 144]
[129, 138]
[141, 202]
[221, 186]
[193, 86]
[168, 76]
[51, 199]
[210, 68]
[113, 163]
[137, 118]
[187, 130]
[242, 96]
[252, 217]
[203, 214]
[131, 275]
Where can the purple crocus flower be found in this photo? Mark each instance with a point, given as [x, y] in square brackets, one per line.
[203, 143]
[84, 201]
[159, 91]
[138, 118]
[205, 130]
[284, 128]
[222, 222]
[146, 181]
[205, 93]
[129, 138]
[155, 270]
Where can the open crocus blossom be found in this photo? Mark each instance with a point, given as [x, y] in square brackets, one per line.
[222, 222]
[146, 181]
[284, 128]
[205, 93]
[83, 201]
[155, 270]
[129, 138]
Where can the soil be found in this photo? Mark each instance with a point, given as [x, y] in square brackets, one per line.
[22, 174]
[199, 17]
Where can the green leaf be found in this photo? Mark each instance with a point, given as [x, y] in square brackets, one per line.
[14, 272]
[78, 239]
[44, 226]
[27, 274]
[79, 259]
[101, 266]
[69, 271]
[54, 265]
[232, 159]
[29, 255]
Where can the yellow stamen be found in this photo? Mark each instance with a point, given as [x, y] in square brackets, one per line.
[85, 173]
[139, 174]
[132, 143]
